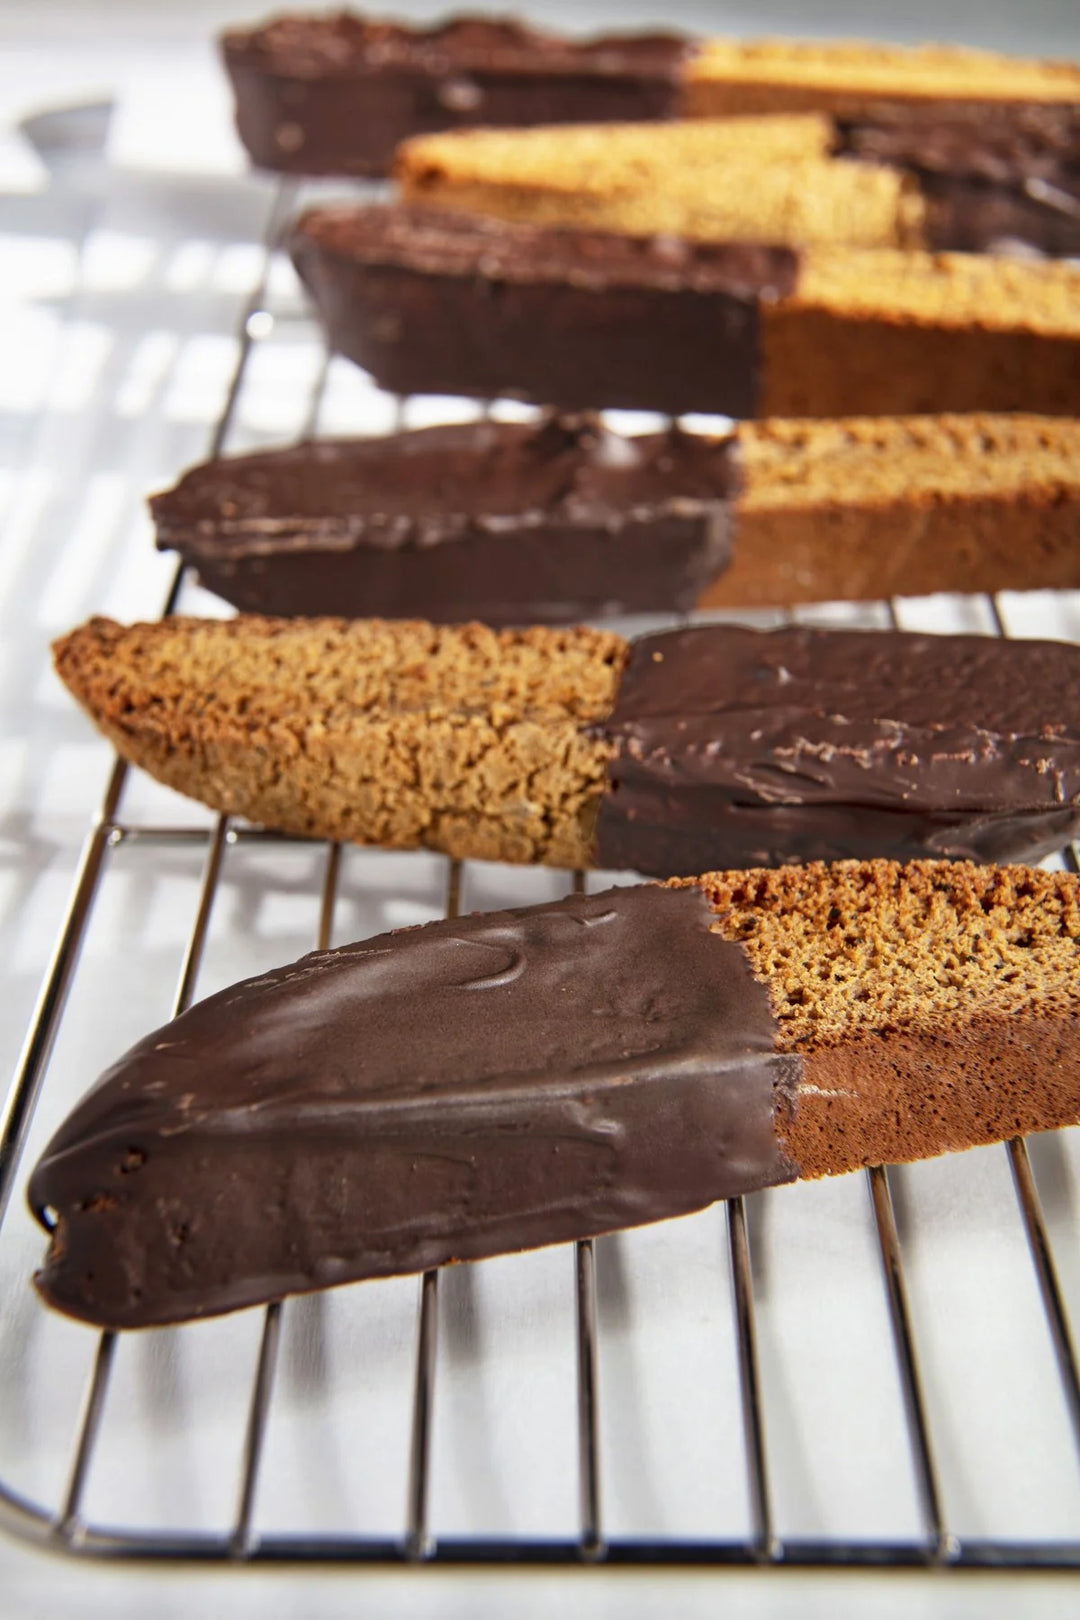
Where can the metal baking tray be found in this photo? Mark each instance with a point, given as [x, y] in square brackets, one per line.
[873, 1371]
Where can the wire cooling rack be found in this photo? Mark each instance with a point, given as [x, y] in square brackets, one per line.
[732, 1428]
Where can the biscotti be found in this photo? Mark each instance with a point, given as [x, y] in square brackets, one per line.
[335, 94]
[432, 302]
[578, 1068]
[497, 521]
[695, 749]
[566, 520]
[947, 179]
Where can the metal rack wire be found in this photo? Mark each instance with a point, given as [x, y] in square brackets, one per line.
[65, 1527]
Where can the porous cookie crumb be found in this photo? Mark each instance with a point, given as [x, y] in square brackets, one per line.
[957, 290]
[757, 180]
[405, 734]
[934, 1005]
[907, 333]
[868, 947]
[849, 77]
[870, 507]
[608, 158]
[883, 458]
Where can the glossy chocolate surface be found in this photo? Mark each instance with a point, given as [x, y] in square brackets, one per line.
[502, 522]
[443, 303]
[470, 1088]
[738, 748]
[336, 94]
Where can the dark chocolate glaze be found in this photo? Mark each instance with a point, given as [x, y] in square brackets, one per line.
[739, 747]
[432, 302]
[991, 175]
[336, 94]
[1006, 144]
[978, 216]
[471, 1088]
[506, 523]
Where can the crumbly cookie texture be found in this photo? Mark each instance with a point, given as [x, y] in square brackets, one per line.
[739, 179]
[912, 333]
[969, 290]
[748, 76]
[598, 159]
[934, 1005]
[404, 734]
[883, 458]
[870, 507]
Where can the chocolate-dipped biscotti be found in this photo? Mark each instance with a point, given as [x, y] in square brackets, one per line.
[335, 94]
[714, 746]
[448, 303]
[565, 520]
[579, 1067]
[943, 179]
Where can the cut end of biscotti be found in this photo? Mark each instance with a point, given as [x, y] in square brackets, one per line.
[932, 1006]
[917, 459]
[603, 157]
[866, 71]
[956, 290]
[870, 507]
[760, 180]
[397, 733]
[870, 947]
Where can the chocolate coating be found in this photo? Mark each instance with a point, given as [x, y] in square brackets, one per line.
[739, 748]
[501, 522]
[976, 216]
[470, 1088]
[336, 94]
[991, 175]
[442, 303]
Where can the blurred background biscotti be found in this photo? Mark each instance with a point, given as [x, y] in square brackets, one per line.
[565, 519]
